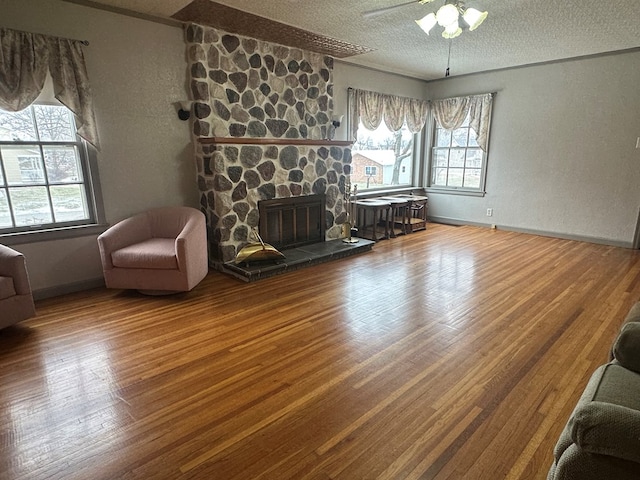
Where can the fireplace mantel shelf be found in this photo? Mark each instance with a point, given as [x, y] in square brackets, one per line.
[272, 141]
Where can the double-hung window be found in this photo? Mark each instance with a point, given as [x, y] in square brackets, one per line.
[45, 181]
[457, 161]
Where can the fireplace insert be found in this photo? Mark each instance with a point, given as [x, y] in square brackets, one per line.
[293, 221]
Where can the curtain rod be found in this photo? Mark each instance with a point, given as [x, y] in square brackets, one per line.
[83, 42]
[493, 94]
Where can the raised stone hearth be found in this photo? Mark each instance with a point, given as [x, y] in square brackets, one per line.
[297, 258]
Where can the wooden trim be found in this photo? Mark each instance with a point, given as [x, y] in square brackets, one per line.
[272, 141]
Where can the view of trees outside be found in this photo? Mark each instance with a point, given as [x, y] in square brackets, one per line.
[40, 172]
[400, 146]
[457, 158]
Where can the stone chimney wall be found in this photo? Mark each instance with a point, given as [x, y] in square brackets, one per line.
[262, 113]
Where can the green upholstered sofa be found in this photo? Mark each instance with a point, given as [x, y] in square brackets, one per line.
[601, 440]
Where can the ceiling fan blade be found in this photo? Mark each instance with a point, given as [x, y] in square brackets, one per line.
[380, 11]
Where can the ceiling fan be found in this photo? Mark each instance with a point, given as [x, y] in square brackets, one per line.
[447, 16]
[380, 11]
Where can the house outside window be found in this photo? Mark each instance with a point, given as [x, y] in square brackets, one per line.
[457, 161]
[382, 159]
[44, 171]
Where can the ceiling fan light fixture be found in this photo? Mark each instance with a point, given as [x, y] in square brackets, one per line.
[452, 30]
[427, 22]
[474, 18]
[447, 14]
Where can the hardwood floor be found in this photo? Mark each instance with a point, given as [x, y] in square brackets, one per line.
[455, 353]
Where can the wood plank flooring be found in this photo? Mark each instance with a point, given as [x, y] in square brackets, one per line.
[453, 353]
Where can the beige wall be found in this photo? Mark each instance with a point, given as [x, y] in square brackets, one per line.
[137, 69]
[562, 155]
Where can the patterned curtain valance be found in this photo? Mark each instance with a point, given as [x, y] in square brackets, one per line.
[451, 112]
[372, 107]
[25, 59]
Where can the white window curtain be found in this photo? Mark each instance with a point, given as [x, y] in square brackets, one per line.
[451, 112]
[371, 108]
[25, 59]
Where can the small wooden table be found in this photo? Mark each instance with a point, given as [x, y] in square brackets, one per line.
[400, 215]
[418, 212]
[378, 211]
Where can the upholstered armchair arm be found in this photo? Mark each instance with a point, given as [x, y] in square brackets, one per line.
[191, 243]
[13, 264]
[124, 233]
[626, 349]
[607, 429]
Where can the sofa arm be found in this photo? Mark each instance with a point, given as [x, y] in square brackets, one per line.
[626, 349]
[607, 429]
[13, 264]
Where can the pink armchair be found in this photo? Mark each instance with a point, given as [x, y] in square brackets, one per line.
[16, 299]
[157, 252]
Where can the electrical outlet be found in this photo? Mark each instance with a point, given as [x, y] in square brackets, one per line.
[489, 212]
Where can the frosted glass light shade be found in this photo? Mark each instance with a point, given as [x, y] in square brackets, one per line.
[447, 14]
[474, 17]
[452, 30]
[427, 22]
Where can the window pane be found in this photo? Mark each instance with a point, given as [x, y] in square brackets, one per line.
[441, 157]
[455, 177]
[1, 177]
[30, 205]
[17, 126]
[473, 138]
[472, 178]
[459, 137]
[5, 216]
[23, 164]
[474, 158]
[63, 164]
[68, 203]
[440, 176]
[55, 123]
[382, 158]
[456, 158]
[443, 138]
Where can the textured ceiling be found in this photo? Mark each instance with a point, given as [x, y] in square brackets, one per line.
[516, 32]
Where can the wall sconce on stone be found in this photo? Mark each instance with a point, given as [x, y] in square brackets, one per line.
[184, 110]
[336, 120]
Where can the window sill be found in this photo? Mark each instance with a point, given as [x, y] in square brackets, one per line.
[455, 191]
[52, 234]
[388, 191]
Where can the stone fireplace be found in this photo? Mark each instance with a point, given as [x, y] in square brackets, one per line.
[262, 113]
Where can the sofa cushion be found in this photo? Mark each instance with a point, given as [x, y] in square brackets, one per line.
[155, 253]
[7, 289]
[626, 349]
[607, 419]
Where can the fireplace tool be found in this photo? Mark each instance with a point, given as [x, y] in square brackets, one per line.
[257, 251]
[348, 225]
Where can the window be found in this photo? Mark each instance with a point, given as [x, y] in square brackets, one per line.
[457, 161]
[44, 179]
[370, 171]
[382, 159]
